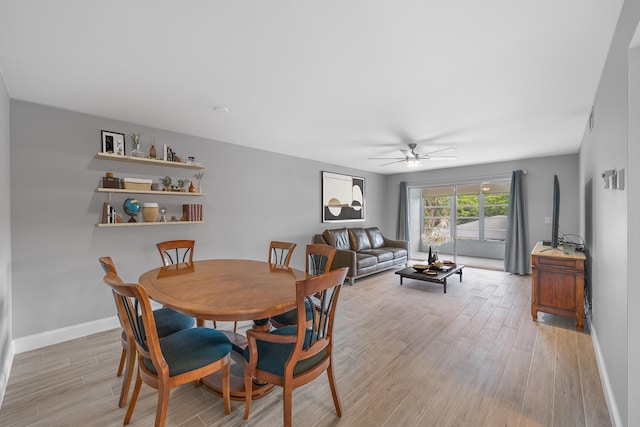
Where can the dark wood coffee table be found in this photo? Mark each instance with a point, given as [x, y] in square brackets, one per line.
[441, 277]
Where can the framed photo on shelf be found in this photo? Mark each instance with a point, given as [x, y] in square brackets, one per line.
[112, 142]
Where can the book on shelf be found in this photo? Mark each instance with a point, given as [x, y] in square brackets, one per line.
[192, 212]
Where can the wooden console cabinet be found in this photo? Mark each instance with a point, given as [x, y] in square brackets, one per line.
[557, 283]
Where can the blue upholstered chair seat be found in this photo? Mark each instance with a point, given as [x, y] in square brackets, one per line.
[272, 357]
[205, 347]
[170, 321]
[291, 317]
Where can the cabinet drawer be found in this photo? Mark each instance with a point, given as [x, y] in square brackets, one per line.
[558, 262]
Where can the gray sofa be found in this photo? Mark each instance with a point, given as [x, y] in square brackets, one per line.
[364, 251]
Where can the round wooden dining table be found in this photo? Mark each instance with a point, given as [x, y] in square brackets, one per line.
[226, 290]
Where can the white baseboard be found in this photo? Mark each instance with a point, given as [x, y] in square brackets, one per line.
[614, 412]
[44, 339]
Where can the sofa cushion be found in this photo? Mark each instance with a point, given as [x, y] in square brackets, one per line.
[365, 260]
[338, 238]
[397, 252]
[375, 237]
[380, 254]
[359, 239]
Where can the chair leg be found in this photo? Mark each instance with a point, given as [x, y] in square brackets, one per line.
[123, 357]
[128, 375]
[334, 390]
[287, 398]
[134, 398]
[226, 392]
[247, 391]
[163, 403]
[235, 326]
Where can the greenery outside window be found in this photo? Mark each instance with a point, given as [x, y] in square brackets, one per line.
[468, 217]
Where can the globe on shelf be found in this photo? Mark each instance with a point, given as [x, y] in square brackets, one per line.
[131, 207]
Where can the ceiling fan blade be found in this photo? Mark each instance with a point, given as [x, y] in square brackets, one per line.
[386, 158]
[424, 157]
[441, 150]
[390, 163]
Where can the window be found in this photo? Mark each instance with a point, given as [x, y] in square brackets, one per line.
[477, 210]
[468, 217]
[437, 215]
[496, 208]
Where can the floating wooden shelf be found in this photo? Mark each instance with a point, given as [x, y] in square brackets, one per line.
[154, 162]
[158, 193]
[137, 224]
[131, 159]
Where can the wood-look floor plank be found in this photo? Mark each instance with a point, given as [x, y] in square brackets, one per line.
[568, 405]
[595, 415]
[404, 355]
[540, 384]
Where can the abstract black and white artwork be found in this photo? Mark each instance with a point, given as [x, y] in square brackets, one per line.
[342, 197]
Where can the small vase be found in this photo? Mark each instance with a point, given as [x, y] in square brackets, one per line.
[192, 189]
[199, 187]
[152, 151]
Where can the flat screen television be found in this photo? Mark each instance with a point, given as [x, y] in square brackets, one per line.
[555, 239]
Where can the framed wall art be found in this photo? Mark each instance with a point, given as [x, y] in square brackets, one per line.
[112, 142]
[342, 198]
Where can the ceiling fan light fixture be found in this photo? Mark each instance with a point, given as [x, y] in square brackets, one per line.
[413, 163]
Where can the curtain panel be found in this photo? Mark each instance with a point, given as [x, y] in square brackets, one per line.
[516, 256]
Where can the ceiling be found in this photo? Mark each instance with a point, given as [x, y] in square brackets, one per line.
[335, 81]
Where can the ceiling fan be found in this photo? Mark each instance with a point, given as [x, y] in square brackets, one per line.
[413, 159]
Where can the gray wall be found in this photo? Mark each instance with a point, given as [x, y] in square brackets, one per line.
[633, 232]
[6, 352]
[252, 197]
[608, 226]
[538, 187]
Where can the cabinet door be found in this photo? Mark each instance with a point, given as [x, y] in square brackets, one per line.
[556, 289]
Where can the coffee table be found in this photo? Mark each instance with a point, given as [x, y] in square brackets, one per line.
[441, 277]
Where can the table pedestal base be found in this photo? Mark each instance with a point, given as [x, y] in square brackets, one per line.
[213, 382]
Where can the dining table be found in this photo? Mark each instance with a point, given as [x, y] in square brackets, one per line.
[227, 290]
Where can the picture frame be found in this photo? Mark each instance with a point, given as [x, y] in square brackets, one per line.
[343, 197]
[112, 142]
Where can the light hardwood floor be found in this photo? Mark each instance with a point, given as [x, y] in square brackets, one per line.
[405, 356]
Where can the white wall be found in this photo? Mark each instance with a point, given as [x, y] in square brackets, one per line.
[633, 189]
[537, 185]
[604, 221]
[6, 346]
[252, 197]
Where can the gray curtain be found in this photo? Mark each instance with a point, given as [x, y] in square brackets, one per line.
[516, 250]
[402, 232]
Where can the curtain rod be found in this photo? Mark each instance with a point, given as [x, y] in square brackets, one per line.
[465, 180]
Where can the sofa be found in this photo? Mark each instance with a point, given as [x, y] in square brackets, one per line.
[364, 250]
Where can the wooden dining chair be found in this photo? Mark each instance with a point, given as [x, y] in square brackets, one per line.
[295, 355]
[319, 258]
[176, 251]
[179, 251]
[183, 357]
[280, 252]
[168, 322]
